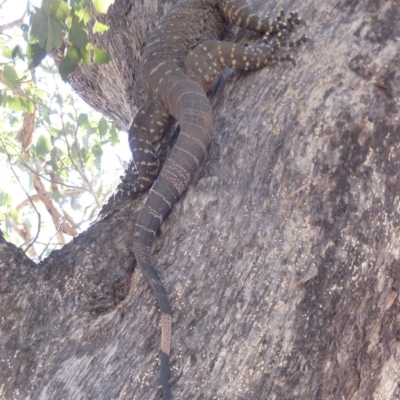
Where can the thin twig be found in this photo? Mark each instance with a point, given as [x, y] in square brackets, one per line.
[48, 243]
[26, 193]
[43, 177]
[81, 170]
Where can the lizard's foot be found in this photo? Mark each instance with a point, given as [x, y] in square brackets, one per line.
[275, 40]
[290, 22]
[129, 181]
[282, 40]
[133, 182]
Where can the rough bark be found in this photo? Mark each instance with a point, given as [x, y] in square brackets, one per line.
[281, 260]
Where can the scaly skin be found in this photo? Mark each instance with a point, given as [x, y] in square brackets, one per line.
[182, 57]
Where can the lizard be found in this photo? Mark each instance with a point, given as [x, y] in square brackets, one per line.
[182, 57]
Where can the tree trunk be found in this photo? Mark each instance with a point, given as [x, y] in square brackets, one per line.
[281, 261]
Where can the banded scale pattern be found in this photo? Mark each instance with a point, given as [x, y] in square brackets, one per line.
[182, 57]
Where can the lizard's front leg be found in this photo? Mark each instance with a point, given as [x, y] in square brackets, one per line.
[240, 13]
[208, 59]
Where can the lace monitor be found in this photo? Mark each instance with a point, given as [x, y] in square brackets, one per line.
[182, 57]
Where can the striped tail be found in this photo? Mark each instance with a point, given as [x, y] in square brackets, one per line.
[186, 101]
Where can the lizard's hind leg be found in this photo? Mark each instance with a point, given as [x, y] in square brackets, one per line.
[148, 126]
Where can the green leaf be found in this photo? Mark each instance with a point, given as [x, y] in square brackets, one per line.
[78, 4]
[89, 162]
[27, 105]
[7, 53]
[99, 27]
[85, 54]
[97, 163]
[83, 15]
[83, 120]
[55, 132]
[58, 9]
[74, 203]
[74, 152]
[5, 199]
[14, 213]
[43, 146]
[56, 196]
[45, 115]
[46, 28]
[69, 63]
[39, 28]
[85, 140]
[19, 103]
[113, 135]
[10, 76]
[54, 164]
[36, 54]
[77, 33]
[17, 52]
[84, 153]
[54, 34]
[103, 127]
[101, 6]
[14, 103]
[100, 56]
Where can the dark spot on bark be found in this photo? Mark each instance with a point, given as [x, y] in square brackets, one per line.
[359, 64]
[193, 360]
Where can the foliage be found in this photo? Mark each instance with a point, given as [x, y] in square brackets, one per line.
[55, 152]
[60, 23]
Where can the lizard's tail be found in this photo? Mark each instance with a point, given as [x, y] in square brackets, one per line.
[186, 101]
[154, 280]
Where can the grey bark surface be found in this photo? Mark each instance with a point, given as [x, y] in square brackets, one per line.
[281, 261]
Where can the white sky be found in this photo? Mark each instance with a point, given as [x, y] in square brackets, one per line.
[14, 9]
